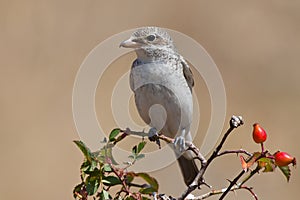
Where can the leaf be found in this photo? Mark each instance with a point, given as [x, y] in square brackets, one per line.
[129, 177]
[152, 181]
[88, 166]
[84, 149]
[132, 157]
[105, 153]
[95, 172]
[140, 156]
[244, 164]
[107, 168]
[148, 190]
[92, 184]
[253, 159]
[134, 150]
[140, 146]
[286, 172]
[104, 195]
[77, 189]
[111, 181]
[113, 134]
[267, 164]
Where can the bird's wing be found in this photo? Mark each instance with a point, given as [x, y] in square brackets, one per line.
[135, 63]
[188, 75]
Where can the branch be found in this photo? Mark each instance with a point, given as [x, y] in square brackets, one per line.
[236, 152]
[221, 191]
[125, 187]
[234, 123]
[234, 182]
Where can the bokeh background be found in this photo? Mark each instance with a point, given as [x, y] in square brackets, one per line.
[255, 44]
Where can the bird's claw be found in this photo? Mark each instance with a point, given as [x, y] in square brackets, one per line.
[179, 144]
[153, 136]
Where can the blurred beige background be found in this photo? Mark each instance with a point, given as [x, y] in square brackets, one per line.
[255, 44]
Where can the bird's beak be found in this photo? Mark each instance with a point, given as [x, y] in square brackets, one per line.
[130, 44]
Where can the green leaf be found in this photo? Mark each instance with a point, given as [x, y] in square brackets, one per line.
[107, 168]
[104, 195]
[286, 172]
[140, 146]
[92, 184]
[111, 181]
[134, 150]
[132, 157]
[105, 153]
[84, 149]
[152, 181]
[77, 189]
[140, 156]
[267, 164]
[129, 177]
[95, 172]
[88, 166]
[113, 134]
[148, 190]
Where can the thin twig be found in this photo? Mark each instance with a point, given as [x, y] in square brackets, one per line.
[235, 152]
[251, 191]
[221, 191]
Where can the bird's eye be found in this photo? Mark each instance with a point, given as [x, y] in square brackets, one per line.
[151, 37]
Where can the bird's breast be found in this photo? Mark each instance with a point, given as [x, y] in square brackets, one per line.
[163, 85]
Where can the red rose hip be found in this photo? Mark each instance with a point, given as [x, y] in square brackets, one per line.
[284, 159]
[259, 134]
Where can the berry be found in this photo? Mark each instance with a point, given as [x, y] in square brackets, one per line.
[259, 134]
[284, 159]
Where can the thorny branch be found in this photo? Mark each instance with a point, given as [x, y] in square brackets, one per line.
[198, 181]
[221, 191]
[235, 152]
[89, 171]
[235, 122]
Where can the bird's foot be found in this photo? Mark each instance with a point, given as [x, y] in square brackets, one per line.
[179, 145]
[153, 136]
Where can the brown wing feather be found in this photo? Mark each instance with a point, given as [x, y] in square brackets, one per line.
[187, 74]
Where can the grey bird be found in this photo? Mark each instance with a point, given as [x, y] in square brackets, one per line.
[162, 83]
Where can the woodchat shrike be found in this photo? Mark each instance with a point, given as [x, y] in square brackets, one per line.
[162, 83]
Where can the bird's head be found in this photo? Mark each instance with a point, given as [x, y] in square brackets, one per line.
[148, 37]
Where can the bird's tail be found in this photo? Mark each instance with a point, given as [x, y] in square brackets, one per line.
[188, 168]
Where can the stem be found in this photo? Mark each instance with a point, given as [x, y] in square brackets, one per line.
[234, 123]
[262, 147]
[250, 175]
[199, 176]
[232, 183]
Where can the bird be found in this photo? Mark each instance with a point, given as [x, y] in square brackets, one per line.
[162, 83]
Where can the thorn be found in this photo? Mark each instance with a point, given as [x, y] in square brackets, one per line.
[229, 180]
[207, 185]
